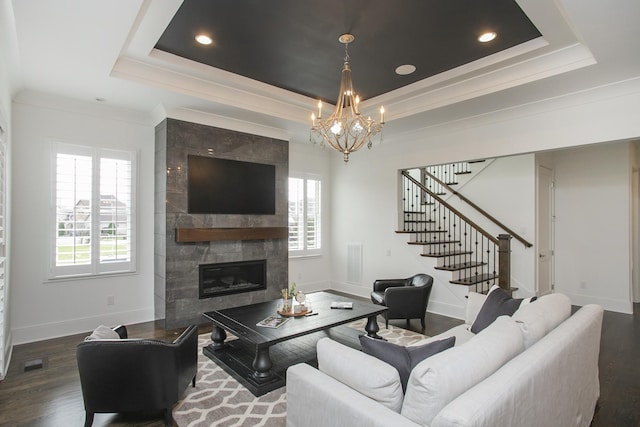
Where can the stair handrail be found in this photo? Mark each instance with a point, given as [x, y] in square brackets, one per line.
[479, 209]
[451, 208]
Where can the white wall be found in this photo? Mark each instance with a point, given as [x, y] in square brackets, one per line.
[506, 190]
[313, 273]
[364, 192]
[7, 84]
[45, 309]
[592, 227]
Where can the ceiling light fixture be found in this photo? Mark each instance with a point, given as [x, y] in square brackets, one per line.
[345, 130]
[487, 37]
[204, 39]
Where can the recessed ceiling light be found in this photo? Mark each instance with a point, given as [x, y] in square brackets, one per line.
[204, 39]
[487, 37]
[403, 70]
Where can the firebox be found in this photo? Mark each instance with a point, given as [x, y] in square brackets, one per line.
[232, 278]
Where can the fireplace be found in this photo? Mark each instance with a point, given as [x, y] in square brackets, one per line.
[232, 278]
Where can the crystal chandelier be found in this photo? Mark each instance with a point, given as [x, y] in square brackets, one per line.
[345, 130]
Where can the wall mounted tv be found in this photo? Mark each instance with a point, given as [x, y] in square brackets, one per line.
[221, 186]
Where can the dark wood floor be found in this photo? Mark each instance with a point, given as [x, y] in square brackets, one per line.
[51, 396]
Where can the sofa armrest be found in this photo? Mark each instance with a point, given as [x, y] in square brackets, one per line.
[318, 400]
[381, 285]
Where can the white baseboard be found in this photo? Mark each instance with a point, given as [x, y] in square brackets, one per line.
[75, 326]
[444, 309]
[608, 304]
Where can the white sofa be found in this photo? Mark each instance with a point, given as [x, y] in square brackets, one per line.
[538, 367]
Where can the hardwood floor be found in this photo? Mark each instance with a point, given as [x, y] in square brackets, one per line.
[51, 396]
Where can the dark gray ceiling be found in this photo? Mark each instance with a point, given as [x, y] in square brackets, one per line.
[293, 44]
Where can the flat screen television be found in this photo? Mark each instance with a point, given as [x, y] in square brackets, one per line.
[221, 186]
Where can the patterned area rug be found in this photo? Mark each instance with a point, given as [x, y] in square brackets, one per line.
[219, 400]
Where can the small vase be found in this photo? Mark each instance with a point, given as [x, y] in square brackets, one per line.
[287, 305]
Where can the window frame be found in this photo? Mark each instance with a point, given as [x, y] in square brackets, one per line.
[96, 267]
[305, 252]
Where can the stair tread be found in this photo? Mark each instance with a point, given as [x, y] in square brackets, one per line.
[472, 280]
[444, 254]
[461, 266]
[421, 231]
[475, 161]
[420, 221]
[434, 243]
[462, 173]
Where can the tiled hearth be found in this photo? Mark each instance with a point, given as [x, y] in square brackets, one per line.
[218, 238]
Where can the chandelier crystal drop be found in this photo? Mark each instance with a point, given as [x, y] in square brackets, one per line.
[345, 130]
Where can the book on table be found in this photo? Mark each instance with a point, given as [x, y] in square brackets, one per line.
[345, 305]
[272, 322]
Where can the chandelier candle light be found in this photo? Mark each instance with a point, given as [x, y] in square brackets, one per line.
[345, 130]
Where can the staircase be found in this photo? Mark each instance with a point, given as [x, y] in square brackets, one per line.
[474, 257]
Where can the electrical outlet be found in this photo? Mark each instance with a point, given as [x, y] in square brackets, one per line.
[111, 300]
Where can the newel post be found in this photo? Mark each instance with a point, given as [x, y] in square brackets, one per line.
[504, 261]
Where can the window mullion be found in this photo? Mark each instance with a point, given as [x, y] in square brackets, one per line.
[304, 214]
[95, 214]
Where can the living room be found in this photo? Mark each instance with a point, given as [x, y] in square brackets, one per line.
[586, 132]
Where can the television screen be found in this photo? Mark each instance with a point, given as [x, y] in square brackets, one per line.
[220, 186]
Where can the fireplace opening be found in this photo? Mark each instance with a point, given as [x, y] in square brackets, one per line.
[232, 278]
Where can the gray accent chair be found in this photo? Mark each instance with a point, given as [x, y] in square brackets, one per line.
[404, 298]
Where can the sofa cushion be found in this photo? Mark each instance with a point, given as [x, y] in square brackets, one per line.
[438, 380]
[103, 333]
[460, 332]
[404, 359]
[498, 303]
[366, 374]
[540, 317]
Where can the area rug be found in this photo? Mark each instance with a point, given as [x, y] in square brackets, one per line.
[219, 400]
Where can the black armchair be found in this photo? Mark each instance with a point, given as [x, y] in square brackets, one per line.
[404, 298]
[136, 375]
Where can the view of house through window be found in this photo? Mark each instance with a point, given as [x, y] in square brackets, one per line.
[94, 211]
[305, 225]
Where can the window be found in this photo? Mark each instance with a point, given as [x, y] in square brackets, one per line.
[305, 218]
[94, 211]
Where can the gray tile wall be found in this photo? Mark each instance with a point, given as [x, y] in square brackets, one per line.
[176, 264]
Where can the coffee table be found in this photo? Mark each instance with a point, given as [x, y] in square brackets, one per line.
[248, 358]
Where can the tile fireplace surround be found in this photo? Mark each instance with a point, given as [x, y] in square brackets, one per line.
[183, 241]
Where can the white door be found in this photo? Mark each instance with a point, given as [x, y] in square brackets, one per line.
[635, 235]
[544, 226]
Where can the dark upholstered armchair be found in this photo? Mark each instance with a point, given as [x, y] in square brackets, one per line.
[136, 375]
[404, 298]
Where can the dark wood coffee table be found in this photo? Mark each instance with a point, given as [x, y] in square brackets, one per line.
[248, 358]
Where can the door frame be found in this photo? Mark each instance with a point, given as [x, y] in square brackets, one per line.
[548, 226]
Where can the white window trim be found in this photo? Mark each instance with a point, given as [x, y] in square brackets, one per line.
[95, 268]
[310, 253]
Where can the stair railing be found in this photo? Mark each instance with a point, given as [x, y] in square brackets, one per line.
[443, 185]
[476, 258]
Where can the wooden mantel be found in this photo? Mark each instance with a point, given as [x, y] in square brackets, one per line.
[186, 235]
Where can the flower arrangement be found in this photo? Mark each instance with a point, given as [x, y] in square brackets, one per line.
[287, 294]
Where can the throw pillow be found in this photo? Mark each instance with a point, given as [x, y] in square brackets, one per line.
[498, 303]
[404, 359]
[103, 333]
